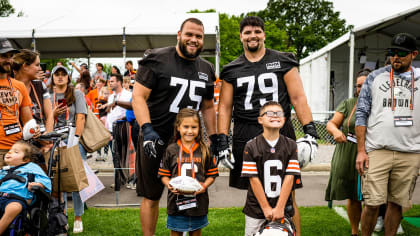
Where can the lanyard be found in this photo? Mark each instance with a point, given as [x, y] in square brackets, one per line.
[37, 101]
[392, 89]
[14, 101]
[67, 111]
[14, 98]
[191, 158]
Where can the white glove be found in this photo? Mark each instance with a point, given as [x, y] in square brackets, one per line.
[307, 149]
[226, 158]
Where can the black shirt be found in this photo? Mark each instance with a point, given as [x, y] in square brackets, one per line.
[176, 83]
[255, 83]
[40, 91]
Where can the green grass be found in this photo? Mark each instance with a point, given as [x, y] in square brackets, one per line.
[317, 221]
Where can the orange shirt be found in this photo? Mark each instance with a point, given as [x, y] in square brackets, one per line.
[94, 98]
[9, 115]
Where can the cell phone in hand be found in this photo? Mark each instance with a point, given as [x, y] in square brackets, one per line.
[62, 102]
[43, 66]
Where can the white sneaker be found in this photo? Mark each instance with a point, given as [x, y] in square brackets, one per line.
[77, 227]
[133, 186]
[400, 229]
[129, 186]
[379, 224]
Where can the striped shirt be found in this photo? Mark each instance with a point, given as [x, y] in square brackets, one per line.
[270, 164]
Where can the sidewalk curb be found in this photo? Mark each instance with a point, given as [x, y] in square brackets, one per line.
[317, 167]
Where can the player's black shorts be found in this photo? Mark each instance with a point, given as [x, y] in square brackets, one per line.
[148, 183]
[242, 133]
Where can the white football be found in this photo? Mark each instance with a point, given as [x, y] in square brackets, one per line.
[185, 184]
[275, 228]
[29, 129]
[307, 148]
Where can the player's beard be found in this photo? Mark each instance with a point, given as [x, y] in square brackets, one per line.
[5, 67]
[183, 48]
[401, 67]
[253, 48]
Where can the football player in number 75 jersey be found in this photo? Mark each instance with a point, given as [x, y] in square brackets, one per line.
[168, 80]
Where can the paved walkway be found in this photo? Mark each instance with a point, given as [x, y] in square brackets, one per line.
[312, 194]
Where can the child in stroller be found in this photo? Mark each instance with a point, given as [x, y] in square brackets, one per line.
[16, 181]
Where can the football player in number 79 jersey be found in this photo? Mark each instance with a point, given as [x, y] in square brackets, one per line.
[257, 76]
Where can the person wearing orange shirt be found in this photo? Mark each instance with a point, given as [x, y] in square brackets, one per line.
[217, 86]
[15, 103]
[93, 95]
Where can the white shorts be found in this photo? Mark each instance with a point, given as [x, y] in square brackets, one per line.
[252, 225]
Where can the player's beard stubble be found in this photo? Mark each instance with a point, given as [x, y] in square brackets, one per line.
[182, 45]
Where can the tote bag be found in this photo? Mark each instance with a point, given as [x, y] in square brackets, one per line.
[95, 135]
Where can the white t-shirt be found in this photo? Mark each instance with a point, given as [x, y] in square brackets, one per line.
[272, 143]
[117, 112]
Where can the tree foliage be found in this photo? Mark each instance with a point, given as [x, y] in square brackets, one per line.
[231, 46]
[205, 11]
[6, 8]
[310, 24]
[53, 62]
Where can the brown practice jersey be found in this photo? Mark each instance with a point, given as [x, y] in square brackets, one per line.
[176, 83]
[255, 83]
[171, 168]
[270, 165]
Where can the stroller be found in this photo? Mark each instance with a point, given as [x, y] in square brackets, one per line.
[46, 215]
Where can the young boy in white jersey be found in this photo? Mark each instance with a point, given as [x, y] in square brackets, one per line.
[270, 162]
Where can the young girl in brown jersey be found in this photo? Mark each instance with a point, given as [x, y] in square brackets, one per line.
[188, 156]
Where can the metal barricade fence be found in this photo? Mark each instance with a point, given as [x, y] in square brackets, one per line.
[320, 119]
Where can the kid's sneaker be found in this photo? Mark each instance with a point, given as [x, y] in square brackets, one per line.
[77, 227]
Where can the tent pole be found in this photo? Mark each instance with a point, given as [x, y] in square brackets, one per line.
[351, 65]
[124, 46]
[217, 51]
[88, 61]
[33, 44]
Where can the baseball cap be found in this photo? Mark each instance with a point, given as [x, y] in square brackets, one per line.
[404, 41]
[6, 46]
[59, 68]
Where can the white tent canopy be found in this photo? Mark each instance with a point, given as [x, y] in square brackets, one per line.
[328, 74]
[76, 35]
